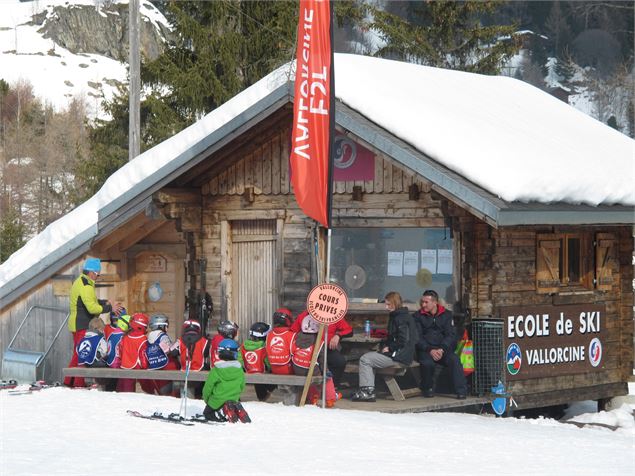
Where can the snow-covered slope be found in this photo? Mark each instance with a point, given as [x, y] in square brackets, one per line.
[57, 74]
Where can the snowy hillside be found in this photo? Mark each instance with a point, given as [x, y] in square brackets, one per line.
[29, 52]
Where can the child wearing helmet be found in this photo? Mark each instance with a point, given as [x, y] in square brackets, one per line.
[278, 344]
[335, 332]
[225, 330]
[224, 384]
[193, 351]
[113, 333]
[133, 350]
[253, 357]
[302, 348]
[158, 355]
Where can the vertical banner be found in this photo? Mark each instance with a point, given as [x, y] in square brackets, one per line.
[313, 113]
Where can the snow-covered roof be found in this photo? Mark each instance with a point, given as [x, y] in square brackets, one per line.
[507, 138]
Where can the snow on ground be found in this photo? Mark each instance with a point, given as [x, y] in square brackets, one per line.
[56, 74]
[79, 432]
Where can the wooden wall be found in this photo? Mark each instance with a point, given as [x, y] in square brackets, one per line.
[499, 270]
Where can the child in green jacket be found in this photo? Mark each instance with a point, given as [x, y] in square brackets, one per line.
[225, 382]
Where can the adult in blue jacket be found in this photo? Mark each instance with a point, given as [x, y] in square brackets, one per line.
[437, 340]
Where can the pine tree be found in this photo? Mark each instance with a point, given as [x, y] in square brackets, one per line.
[12, 234]
[446, 34]
[218, 49]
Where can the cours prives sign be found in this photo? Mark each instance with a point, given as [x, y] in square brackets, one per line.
[547, 341]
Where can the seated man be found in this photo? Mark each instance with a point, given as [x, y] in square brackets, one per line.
[436, 344]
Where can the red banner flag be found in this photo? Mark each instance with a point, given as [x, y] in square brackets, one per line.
[313, 124]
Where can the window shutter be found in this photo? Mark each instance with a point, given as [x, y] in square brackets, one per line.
[605, 261]
[548, 264]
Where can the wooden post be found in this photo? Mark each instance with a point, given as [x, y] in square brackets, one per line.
[134, 103]
[309, 376]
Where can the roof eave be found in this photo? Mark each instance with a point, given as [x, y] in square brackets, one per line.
[47, 266]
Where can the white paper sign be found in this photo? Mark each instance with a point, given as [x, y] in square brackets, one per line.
[445, 262]
[395, 263]
[429, 260]
[410, 263]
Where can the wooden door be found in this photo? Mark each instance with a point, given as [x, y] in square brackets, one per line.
[254, 267]
[168, 271]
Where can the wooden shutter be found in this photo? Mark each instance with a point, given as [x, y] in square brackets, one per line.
[548, 264]
[605, 261]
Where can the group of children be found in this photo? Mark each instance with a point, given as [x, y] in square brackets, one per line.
[140, 342]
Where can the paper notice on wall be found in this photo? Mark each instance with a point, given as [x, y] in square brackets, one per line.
[410, 263]
[429, 260]
[444, 265]
[395, 263]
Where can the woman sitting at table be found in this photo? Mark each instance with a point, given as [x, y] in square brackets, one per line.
[398, 348]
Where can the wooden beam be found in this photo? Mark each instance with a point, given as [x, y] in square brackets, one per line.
[178, 195]
[137, 234]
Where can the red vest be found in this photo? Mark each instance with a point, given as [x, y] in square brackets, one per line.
[198, 354]
[301, 356]
[133, 352]
[254, 360]
[108, 330]
[279, 350]
[213, 349]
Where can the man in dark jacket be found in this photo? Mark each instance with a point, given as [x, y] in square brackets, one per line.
[397, 349]
[436, 344]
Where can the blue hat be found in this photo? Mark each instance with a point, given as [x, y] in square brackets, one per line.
[92, 264]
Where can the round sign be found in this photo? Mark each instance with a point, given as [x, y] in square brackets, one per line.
[327, 303]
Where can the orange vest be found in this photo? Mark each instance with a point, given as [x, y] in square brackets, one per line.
[198, 354]
[279, 350]
[301, 356]
[133, 352]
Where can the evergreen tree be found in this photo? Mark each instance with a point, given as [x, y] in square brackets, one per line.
[446, 34]
[218, 49]
[12, 233]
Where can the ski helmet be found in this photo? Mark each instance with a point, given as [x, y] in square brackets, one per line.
[282, 317]
[310, 325]
[228, 349]
[114, 317]
[123, 322]
[191, 332]
[259, 330]
[228, 329]
[139, 322]
[158, 321]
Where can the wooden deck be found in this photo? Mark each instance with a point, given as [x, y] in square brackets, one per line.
[384, 405]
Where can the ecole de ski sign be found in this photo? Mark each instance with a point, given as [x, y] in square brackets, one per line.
[547, 341]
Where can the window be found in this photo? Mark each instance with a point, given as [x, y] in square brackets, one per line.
[370, 262]
[564, 261]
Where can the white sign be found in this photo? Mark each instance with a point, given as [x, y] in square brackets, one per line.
[429, 260]
[395, 263]
[410, 263]
[444, 265]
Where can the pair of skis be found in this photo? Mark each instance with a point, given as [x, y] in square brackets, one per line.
[232, 411]
[34, 387]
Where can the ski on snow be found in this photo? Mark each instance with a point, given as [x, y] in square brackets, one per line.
[34, 387]
[173, 418]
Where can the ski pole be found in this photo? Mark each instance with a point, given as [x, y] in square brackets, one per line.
[184, 400]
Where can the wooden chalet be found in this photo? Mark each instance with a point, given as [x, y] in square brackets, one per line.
[544, 288]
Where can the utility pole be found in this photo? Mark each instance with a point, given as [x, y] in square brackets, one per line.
[134, 127]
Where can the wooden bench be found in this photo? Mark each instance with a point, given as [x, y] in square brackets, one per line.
[389, 374]
[290, 385]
